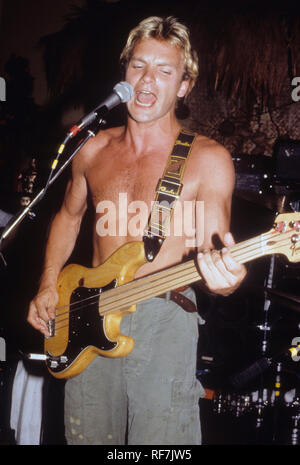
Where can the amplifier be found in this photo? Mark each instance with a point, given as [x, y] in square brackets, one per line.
[252, 172]
[287, 160]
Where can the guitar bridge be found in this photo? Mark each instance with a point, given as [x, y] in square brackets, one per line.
[56, 362]
[51, 328]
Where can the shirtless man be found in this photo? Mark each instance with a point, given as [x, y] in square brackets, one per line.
[151, 396]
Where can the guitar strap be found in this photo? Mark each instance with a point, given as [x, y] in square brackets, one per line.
[168, 190]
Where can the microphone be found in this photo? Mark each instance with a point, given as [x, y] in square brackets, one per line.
[122, 92]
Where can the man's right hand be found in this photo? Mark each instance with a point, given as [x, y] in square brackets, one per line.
[42, 309]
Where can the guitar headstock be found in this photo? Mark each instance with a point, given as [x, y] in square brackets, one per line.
[284, 237]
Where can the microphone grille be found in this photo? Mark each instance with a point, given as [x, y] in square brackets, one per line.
[124, 91]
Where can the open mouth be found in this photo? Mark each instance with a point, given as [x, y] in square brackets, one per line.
[145, 98]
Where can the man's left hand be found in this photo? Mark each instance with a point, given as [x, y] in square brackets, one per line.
[221, 272]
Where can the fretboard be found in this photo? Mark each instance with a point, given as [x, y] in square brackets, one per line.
[174, 277]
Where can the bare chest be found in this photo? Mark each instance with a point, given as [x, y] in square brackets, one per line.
[122, 190]
[113, 178]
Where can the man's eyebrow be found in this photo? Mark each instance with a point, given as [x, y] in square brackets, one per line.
[162, 63]
[137, 58]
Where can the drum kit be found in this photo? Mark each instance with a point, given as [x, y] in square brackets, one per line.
[267, 391]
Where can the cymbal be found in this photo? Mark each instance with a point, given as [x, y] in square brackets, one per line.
[270, 200]
[289, 300]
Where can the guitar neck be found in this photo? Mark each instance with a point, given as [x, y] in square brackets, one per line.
[174, 277]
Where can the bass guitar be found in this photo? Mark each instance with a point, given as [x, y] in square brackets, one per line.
[93, 301]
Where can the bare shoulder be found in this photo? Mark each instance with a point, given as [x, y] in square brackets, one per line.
[209, 154]
[95, 146]
[213, 163]
[210, 151]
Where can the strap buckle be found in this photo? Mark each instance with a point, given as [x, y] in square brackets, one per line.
[171, 188]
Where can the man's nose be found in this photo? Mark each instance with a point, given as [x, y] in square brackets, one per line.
[148, 75]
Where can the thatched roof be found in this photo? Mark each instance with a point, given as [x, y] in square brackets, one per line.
[246, 53]
[253, 54]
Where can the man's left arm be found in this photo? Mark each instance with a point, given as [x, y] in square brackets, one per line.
[221, 272]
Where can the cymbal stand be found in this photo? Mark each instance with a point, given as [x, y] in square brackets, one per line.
[295, 406]
[295, 440]
[265, 327]
[262, 400]
[277, 400]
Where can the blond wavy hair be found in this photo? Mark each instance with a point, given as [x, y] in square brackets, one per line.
[171, 30]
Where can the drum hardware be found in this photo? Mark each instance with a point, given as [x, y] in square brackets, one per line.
[219, 403]
[275, 197]
[268, 200]
[264, 399]
[292, 402]
[260, 405]
[277, 401]
[266, 403]
[295, 430]
[230, 403]
[288, 300]
[295, 410]
[236, 404]
[265, 328]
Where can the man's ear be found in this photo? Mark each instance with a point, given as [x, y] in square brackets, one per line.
[184, 87]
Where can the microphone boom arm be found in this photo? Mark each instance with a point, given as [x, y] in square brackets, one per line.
[13, 222]
[122, 92]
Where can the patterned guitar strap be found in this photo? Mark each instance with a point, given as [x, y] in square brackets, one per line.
[167, 192]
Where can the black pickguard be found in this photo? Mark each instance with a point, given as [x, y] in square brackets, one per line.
[86, 326]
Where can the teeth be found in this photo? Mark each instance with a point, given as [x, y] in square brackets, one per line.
[144, 104]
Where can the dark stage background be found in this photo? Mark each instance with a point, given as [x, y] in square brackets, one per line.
[59, 59]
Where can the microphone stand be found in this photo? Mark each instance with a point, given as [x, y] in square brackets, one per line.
[6, 433]
[13, 222]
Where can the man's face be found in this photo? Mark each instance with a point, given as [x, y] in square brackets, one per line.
[155, 71]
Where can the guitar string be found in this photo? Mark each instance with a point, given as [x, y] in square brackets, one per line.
[233, 250]
[121, 290]
[136, 283]
[108, 310]
[116, 307]
[137, 295]
[191, 276]
[173, 270]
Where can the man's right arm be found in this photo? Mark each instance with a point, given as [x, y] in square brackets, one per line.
[62, 238]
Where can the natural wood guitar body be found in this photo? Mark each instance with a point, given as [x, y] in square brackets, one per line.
[121, 266]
